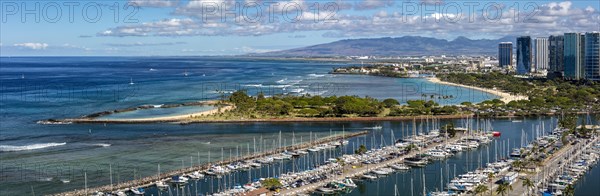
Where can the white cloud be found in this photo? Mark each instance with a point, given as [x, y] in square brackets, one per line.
[155, 3]
[137, 44]
[33, 46]
[372, 4]
[552, 17]
[247, 49]
[71, 46]
[432, 2]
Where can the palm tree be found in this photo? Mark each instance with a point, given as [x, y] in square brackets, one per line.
[517, 165]
[504, 188]
[569, 190]
[528, 184]
[491, 177]
[480, 189]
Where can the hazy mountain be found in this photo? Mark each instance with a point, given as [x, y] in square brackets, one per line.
[400, 46]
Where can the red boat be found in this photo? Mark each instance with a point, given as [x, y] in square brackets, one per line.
[496, 134]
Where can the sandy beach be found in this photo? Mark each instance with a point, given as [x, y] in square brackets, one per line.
[183, 116]
[505, 97]
[172, 118]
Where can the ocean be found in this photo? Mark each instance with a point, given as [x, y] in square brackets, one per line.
[38, 158]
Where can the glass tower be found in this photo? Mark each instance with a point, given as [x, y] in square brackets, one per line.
[592, 56]
[524, 57]
[574, 52]
[505, 50]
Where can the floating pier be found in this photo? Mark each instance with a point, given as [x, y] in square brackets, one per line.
[150, 180]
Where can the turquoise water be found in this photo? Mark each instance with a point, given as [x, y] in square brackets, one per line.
[36, 157]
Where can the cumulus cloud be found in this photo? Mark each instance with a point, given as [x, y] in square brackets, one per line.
[432, 2]
[551, 17]
[155, 3]
[33, 46]
[137, 44]
[247, 49]
[372, 4]
[71, 46]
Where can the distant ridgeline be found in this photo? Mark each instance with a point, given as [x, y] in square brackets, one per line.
[400, 46]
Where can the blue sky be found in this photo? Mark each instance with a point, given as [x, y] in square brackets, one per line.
[197, 27]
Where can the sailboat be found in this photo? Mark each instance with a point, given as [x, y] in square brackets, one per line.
[185, 73]
[377, 127]
[131, 81]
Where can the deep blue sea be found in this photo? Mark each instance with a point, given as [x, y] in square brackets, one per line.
[35, 158]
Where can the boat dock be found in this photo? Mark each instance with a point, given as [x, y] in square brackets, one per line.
[351, 172]
[553, 165]
[150, 180]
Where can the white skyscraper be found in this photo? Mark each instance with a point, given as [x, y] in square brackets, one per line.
[541, 54]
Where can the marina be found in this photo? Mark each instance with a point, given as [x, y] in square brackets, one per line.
[214, 168]
[334, 172]
[96, 155]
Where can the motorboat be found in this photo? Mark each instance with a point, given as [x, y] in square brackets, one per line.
[369, 177]
[454, 148]
[399, 167]
[255, 164]
[138, 191]
[161, 185]
[347, 183]
[380, 172]
[437, 153]
[516, 153]
[442, 193]
[415, 161]
[179, 179]
[196, 175]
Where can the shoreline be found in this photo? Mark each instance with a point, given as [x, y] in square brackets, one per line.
[192, 117]
[174, 117]
[505, 97]
[268, 120]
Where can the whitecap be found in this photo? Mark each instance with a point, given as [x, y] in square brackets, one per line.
[102, 145]
[10, 148]
[316, 75]
[253, 85]
[281, 81]
[297, 90]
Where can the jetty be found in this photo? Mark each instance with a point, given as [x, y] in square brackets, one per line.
[151, 180]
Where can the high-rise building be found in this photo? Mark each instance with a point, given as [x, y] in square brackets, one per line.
[524, 57]
[556, 56]
[574, 51]
[541, 54]
[592, 56]
[505, 53]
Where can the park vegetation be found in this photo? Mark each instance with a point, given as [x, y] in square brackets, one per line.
[546, 96]
[307, 106]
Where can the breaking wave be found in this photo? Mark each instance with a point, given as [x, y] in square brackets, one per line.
[10, 148]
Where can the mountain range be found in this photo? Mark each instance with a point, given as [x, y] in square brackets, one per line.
[399, 46]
